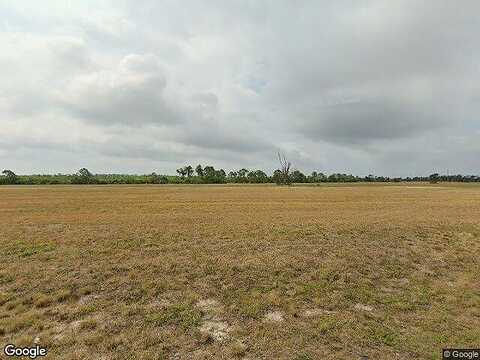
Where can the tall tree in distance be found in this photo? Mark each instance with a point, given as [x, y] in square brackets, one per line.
[181, 172]
[188, 170]
[242, 175]
[284, 170]
[199, 170]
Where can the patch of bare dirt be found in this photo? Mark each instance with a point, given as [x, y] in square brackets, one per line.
[274, 316]
[217, 329]
[213, 323]
[362, 307]
[88, 299]
[317, 312]
[209, 307]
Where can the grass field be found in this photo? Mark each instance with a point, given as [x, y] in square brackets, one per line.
[253, 272]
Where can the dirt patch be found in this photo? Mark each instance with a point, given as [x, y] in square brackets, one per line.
[160, 303]
[274, 316]
[217, 329]
[213, 323]
[362, 307]
[317, 312]
[87, 299]
[209, 306]
[63, 329]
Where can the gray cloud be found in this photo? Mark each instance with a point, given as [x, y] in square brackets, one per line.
[339, 86]
[132, 94]
[363, 122]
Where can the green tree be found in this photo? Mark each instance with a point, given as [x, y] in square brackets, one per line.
[199, 170]
[257, 176]
[83, 176]
[84, 172]
[242, 172]
[188, 170]
[158, 179]
[242, 176]
[277, 177]
[220, 176]
[298, 177]
[233, 176]
[316, 177]
[209, 171]
[212, 176]
[10, 177]
[434, 178]
[182, 172]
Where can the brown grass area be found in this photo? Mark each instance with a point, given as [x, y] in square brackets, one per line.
[254, 272]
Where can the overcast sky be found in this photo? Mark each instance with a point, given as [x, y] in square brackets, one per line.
[384, 87]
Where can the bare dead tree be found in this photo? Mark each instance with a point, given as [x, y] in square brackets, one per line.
[284, 168]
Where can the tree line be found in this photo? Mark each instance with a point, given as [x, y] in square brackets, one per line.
[210, 175]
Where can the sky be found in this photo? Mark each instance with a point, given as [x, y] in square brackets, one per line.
[365, 87]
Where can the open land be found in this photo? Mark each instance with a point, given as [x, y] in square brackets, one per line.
[254, 272]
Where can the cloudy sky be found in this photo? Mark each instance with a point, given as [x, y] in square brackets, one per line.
[384, 87]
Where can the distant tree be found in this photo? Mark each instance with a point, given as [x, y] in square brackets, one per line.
[208, 171]
[285, 165]
[434, 178]
[182, 172]
[298, 177]
[316, 177]
[10, 177]
[220, 176]
[242, 175]
[321, 177]
[242, 172]
[212, 176]
[83, 176]
[257, 176]
[351, 178]
[199, 170]
[277, 177]
[158, 179]
[209, 174]
[232, 175]
[333, 178]
[153, 178]
[188, 171]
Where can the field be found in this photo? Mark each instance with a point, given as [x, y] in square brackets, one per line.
[254, 272]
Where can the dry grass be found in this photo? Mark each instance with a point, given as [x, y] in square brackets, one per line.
[257, 272]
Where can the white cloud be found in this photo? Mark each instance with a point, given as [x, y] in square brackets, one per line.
[132, 94]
